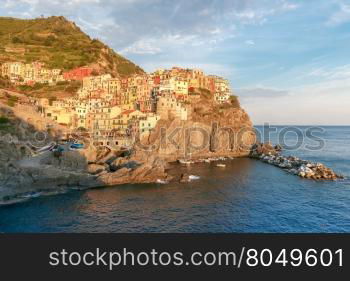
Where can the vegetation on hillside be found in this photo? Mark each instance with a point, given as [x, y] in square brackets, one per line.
[4, 120]
[5, 125]
[58, 43]
[66, 87]
[8, 123]
[11, 100]
[4, 83]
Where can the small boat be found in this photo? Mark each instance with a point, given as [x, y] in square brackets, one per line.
[31, 195]
[221, 165]
[161, 181]
[45, 148]
[207, 160]
[193, 177]
[77, 146]
[57, 148]
[187, 162]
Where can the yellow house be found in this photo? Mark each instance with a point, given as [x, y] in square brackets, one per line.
[181, 87]
[113, 86]
[147, 123]
[123, 120]
[13, 70]
[63, 116]
[177, 85]
[92, 83]
[43, 102]
[29, 73]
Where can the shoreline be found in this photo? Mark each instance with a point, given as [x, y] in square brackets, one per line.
[151, 172]
[184, 178]
[26, 196]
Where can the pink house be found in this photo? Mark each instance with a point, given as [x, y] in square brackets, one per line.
[77, 73]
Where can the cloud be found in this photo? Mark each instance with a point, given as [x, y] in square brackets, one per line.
[253, 15]
[321, 103]
[286, 6]
[260, 93]
[250, 42]
[161, 44]
[341, 16]
[142, 47]
[210, 21]
[322, 99]
[339, 72]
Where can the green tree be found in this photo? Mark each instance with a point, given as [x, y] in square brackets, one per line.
[11, 103]
[4, 120]
[16, 40]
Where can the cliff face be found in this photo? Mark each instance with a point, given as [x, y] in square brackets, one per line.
[212, 130]
[20, 172]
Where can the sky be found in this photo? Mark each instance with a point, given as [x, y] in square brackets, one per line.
[287, 60]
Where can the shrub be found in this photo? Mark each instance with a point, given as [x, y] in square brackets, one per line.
[47, 43]
[72, 88]
[11, 103]
[234, 101]
[94, 73]
[38, 86]
[205, 93]
[25, 88]
[5, 83]
[60, 83]
[16, 40]
[4, 120]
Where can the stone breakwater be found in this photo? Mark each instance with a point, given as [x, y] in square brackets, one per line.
[294, 165]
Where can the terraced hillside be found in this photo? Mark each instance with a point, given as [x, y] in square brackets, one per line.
[60, 44]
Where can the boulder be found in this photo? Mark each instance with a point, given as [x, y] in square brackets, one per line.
[184, 178]
[90, 154]
[262, 149]
[95, 169]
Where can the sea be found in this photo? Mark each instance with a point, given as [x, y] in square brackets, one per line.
[246, 196]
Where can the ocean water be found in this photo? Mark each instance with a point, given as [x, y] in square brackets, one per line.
[245, 196]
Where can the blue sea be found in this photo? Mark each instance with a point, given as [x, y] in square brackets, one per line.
[245, 196]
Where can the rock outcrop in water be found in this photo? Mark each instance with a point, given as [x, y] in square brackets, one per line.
[303, 168]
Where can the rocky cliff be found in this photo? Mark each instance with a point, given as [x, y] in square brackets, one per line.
[211, 130]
